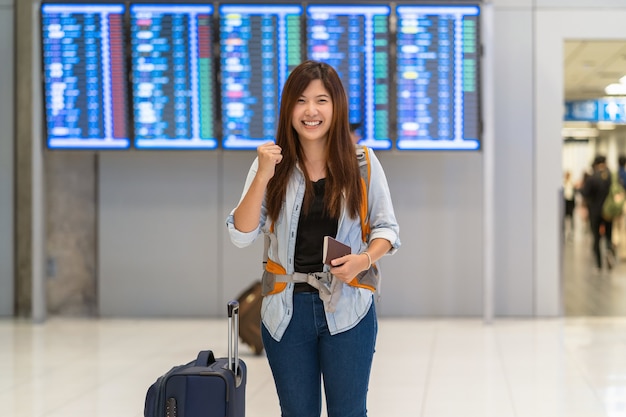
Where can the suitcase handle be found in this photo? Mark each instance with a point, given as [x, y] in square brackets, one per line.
[205, 358]
[233, 339]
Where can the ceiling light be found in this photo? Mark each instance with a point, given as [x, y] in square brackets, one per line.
[616, 89]
[623, 80]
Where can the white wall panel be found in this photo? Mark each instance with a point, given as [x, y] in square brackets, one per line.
[6, 163]
[514, 162]
[438, 199]
[158, 229]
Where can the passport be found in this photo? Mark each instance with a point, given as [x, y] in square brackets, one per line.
[334, 249]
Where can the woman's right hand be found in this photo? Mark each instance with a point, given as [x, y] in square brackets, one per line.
[269, 155]
[248, 212]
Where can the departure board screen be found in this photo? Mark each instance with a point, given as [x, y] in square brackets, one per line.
[259, 46]
[354, 39]
[172, 76]
[85, 85]
[437, 69]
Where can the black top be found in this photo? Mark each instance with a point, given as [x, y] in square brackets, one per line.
[311, 231]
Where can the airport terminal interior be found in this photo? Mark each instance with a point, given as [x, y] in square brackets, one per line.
[568, 366]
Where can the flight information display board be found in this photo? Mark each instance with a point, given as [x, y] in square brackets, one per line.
[354, 39]
[85, 85]
[259, 46]
[437, 71]
[172, 76]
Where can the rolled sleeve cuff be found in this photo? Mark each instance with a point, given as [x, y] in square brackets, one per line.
[388, 235]
[240, 239]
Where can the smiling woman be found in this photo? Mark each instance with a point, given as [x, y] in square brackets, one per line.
[318, 321]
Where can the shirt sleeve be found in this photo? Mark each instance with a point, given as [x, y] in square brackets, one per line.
[382, 217]
[239, 238]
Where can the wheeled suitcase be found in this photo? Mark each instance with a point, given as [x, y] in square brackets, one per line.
[204, 387]
[250, 301]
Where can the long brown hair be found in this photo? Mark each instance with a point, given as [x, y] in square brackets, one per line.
[342, 169]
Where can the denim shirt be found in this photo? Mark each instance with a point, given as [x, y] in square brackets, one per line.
[354, 302]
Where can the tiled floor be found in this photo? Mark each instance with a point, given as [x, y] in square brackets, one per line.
[568, 367]
[586, 292]
[573, 367]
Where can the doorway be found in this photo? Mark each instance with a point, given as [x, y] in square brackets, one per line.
[589, 66]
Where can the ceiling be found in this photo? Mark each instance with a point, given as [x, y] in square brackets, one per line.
[592, 65]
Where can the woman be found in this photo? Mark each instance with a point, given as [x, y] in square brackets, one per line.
[317, 320]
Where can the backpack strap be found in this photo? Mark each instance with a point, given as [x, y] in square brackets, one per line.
[363, 157]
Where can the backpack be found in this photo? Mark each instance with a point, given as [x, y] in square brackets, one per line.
[363, 159]
[613, 204]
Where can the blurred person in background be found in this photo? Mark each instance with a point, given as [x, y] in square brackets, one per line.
[619, 223]
[569, 198]
[595, 191]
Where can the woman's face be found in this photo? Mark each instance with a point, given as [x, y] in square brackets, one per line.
[313, 113]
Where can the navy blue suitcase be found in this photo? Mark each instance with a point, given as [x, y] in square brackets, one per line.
[204, 387]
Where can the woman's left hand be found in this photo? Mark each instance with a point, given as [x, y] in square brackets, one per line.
[347, 267]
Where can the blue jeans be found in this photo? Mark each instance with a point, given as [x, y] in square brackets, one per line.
[307, 352]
